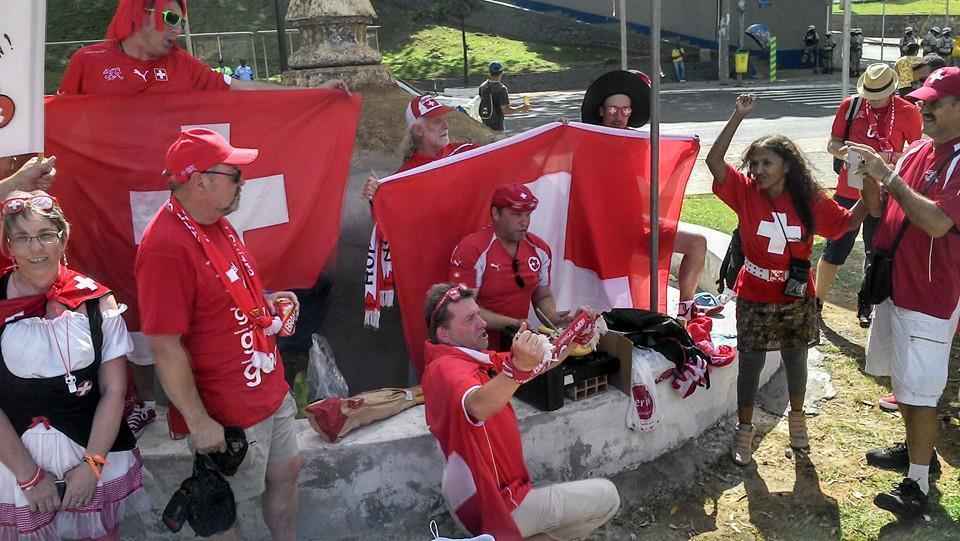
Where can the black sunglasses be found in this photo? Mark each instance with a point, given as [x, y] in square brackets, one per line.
[170, 18]
[516, 274]
[236, 176]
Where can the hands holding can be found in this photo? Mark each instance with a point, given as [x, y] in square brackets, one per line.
[286, 306]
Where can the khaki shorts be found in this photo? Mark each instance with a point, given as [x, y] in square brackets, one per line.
[567, 511]
[272, 441]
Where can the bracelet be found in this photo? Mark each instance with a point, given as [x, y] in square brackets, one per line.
[34, 481]
[96, 463]
[886, 180]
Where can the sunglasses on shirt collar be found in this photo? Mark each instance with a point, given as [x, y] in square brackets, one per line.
[170, 18]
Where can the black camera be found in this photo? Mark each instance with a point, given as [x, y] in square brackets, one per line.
[797, 279]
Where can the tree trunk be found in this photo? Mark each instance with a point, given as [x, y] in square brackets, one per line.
[463, 36]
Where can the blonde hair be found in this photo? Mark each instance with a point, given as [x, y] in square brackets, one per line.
[55, 215]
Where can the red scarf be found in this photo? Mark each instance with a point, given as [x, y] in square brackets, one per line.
[243, 285]
[873, 127]
[70, 289]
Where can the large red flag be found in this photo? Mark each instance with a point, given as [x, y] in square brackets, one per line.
[594, 191]
[110, 153]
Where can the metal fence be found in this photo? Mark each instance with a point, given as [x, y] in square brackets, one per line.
[259, 49]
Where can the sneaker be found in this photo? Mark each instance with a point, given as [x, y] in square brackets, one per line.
[897, 457]
[687, 310]
[905, 500]
[139, 418]
[864, 314]
[742, 451]
[888, 403]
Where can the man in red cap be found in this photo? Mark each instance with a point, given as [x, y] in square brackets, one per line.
[621, 99]
[509, 266]
[427, 138]
[212, 326]
[140, 55]
[913, 328]
[467, 391]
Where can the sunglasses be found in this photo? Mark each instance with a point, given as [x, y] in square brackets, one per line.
[613, 109]
[17, 204]
[170, 18]
[516, 274]
[236, 176]
[453, 294]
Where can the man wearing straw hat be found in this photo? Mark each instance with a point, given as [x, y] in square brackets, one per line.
[621, 99]
[878, 118]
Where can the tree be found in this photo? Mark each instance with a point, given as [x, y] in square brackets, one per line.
[443, 11]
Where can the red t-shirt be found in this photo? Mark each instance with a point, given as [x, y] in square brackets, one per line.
[103, 68]
[485, 477]
[482, 262]
[765, 243]
[907, 127]
[180, 294]
[926, 271]
[419, 159]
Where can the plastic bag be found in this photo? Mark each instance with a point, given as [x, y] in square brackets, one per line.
[324, 379]
[643, 414]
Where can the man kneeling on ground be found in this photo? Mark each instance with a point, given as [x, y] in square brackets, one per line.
[467, 390]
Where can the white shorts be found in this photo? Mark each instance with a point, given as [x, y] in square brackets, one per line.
[913, 349]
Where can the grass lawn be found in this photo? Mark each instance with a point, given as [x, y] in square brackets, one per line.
[901, 7]
[436, 52]
[826, 494]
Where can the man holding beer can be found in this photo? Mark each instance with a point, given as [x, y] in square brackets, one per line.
[213, 328]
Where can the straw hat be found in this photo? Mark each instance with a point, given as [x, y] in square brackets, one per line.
[878, 81]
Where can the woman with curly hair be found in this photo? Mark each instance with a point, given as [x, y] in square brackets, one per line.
[780, 207]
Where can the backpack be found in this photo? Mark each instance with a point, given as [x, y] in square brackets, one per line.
[732, 261]
[486, 101]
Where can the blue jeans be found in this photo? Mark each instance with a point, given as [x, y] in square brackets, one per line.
[680, 71]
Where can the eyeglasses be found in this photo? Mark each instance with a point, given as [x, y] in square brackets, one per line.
[48, 238]
[236, 175]
[611, 110]
[36, 202]
[516, 274]
[170, 18]
[453, 294]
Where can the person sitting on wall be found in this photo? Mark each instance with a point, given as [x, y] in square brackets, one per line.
[509, 266]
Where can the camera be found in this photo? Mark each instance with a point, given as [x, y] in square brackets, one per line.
[799, 275]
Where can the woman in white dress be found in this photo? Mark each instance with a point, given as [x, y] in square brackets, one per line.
[69, 466]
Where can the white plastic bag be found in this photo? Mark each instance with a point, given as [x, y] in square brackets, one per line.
[324, 379]
[643, 413]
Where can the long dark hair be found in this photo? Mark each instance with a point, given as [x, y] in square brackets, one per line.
[804, 190]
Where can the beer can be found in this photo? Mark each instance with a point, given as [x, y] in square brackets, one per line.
[288, 316]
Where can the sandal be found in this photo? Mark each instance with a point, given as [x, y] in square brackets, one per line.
[797, 423]
[742, 452]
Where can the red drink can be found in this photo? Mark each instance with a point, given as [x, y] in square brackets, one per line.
[288, 316]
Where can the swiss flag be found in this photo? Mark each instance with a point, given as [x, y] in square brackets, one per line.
[110, 152]
[594, 191]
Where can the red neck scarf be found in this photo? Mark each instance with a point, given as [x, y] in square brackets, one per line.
[243, 285]
[70, 289]
[874, 130]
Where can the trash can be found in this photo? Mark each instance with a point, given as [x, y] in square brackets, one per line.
[742, 60]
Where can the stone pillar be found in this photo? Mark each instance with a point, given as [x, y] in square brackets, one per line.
[334, 44]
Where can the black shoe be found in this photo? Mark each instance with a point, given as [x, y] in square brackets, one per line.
[905, 500]
[897, 457]
[864, 314]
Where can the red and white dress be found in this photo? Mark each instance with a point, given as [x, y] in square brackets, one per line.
[55, 423]
[482, 262]
[485, 477]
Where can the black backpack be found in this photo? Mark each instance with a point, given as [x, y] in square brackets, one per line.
[732, 262]
[486, 101]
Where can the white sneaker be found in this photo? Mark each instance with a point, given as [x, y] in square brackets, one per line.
[436, 535]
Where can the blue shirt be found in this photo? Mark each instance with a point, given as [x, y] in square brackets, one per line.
[244, 73]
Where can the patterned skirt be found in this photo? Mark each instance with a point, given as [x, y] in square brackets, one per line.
[773, 327]
[119, 492]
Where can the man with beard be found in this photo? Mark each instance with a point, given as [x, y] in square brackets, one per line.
[212, 327]
[508, 266]
[621, 99]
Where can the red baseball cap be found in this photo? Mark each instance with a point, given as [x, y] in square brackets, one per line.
[942, 82]
[515, 197]
[425, 106]
[199, 149]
